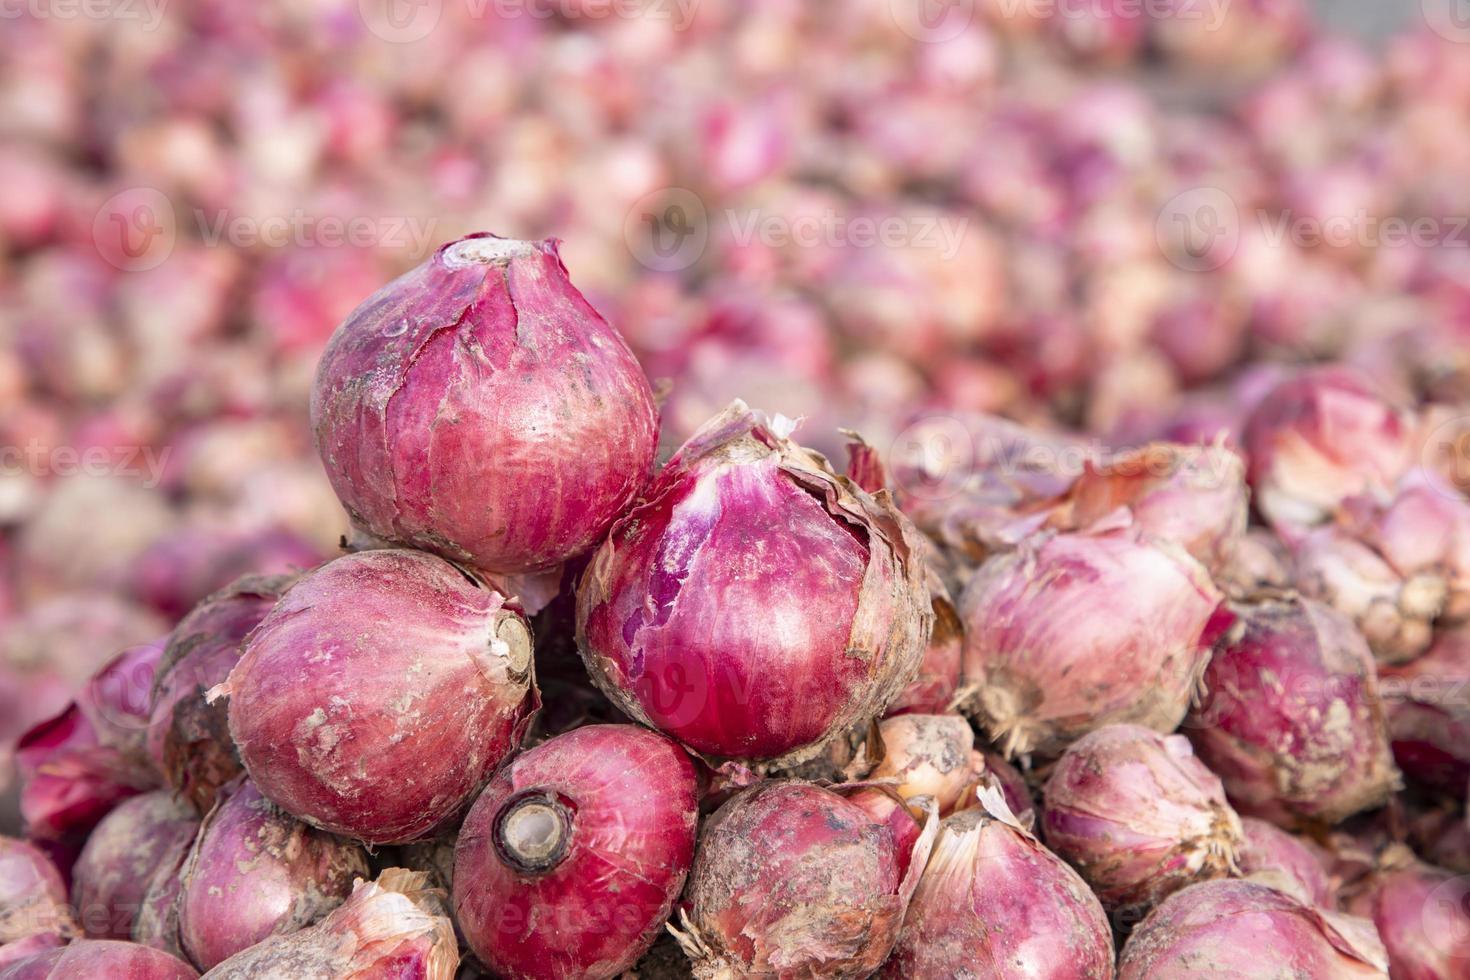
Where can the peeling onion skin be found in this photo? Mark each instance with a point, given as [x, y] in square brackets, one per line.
[929, 755]
[1138, 816]
[1317, 439]
[1421, 917]
[380, 693]
[157, 922]
[255, 872]
[755, 605]
[89, 958]
[933, 690]
[1244, 930]
[394, 927]
[793, 880]
[1292, 721]
[1071, 632]
[33, 912]
[1427, 703]
[480, 408]
[188, 737]
[1194, 496]
[111, 878]
[1281, 860]
[80, 764]
[631, 807]
[993, 902]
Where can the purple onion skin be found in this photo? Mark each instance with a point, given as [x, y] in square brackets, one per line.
[111, 878]
[1075, 631]
[1138, 815]
[33, 910]
[993, 902]
[631, 801]
[1284, 861]
[188, 737]
[754, 605]
[482, 409]
[1244, 930]
[933, 690]
[157, 922]
[1422, 917]
[1427, 703]
[95, 959]
[379, 694]
[256, 872]
[1292, 721]
[78, 765]
[792, 880]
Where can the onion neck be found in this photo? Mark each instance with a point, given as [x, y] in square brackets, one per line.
[533, 832]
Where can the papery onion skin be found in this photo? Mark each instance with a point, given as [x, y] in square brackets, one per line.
[754, 605]
[1138, 815]
[932, 691]
[379, 693]
[628, 797]
[480, 408]
[1274, 857]
[929, 755]
[188, 737]
[88, 958]
[392, 927]
[32, 901]
[111, 878]
[1194, 496]
[994, 902]
[1292, 720]
[255, 872]
[1071, 632]
[1317, 439]
[1421, 915]
[791, 879]
[1232, 930]
[78, 765]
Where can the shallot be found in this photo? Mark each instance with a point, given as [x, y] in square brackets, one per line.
[1138, 815]
[33, 912]
[569, 863]
[1427, 704]
[1421, 915]
[113, 873]
[479, 407]
[1272, 856]
[755, 605]
[88, 958]
[379, 693]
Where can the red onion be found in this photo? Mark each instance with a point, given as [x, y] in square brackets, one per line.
[480, 408]
[886, 807]
[927, 755]
[112, 875]
[33, 911]
[1421, 914]
[1317, 439]
[157, 921]
[754, 605]
[1274, 857]
[88, 958]
[1292, 720]
[993, 902]
[80, 764]
[254, 872]
[933, 689]
[792, 879]
[1247, 929]
[1074, 631]
[570, 861]
[379, 693]
[1191, 495]
[188, 737]
[392, 927]
[1138, 815]
[1427, 703]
